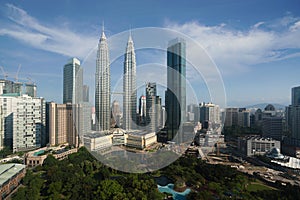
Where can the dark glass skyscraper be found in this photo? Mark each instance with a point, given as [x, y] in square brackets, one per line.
[176, 83]
[296, 96]
[294, 116]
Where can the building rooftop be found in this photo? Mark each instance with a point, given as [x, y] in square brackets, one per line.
[96, 134]
[9, 170]
[257, 137]
[73, 60]
[137, 132]
[176, 41]
[11, 95]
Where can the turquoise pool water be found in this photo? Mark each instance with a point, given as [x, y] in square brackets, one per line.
[176, 195]
[38, 152]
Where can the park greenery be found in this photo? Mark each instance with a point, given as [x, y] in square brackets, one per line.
[81, 176]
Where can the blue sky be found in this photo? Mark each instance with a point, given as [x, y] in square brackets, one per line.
[255, 44]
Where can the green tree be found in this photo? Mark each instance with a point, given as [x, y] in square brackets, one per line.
[50, 161]
[109, 189]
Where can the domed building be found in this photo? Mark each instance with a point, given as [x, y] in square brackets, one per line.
[269, 107]
[275, 153]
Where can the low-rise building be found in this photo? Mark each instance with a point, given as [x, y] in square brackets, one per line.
[119, 136]
[256, 145]
[37, 157]
[141, 140]
[10, 177]
[63, 153]
[209, 138]
[97, 140]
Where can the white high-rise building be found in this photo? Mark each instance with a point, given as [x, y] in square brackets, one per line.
[129, 87]
[102, 80]
[142, 106]
[73, 82]
[24, 126]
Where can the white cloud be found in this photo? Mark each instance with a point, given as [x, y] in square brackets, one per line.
[55, 39]
[236, 50]
[295, 26]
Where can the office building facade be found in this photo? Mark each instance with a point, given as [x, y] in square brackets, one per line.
[293, 118]
[151, 118]
[85, 93]
[272, 127]
[61, 127]
[256, 145]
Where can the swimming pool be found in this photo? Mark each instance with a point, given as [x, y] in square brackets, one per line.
[39, 152]
[176, 195]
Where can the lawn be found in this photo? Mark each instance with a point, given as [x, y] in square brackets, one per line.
[258, 186]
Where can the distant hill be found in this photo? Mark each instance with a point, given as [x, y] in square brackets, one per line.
[263, 105]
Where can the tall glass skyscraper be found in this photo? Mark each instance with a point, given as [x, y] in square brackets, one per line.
[129, 87]
[73, 81]
[296, 96]
[102, 80]
[293, 116]
[176, 92]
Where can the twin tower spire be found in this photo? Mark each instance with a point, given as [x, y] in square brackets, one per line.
[103, 84]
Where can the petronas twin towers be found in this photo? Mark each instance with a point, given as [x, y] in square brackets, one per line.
[102, 87]
[102, 81]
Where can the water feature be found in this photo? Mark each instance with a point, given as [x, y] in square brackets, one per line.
[176, 195]
[39, 152]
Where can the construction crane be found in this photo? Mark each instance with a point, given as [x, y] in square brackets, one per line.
[17, 74]
[29, 80]
[5, 75]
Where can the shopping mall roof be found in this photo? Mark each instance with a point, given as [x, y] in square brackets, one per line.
[7, 171]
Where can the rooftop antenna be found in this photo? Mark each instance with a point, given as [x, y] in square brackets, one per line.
[102, 25]
[17, 74]
[130, 30]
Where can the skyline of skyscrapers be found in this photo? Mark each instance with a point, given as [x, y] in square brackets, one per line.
[129, 87]
[102, 86]
[175, 98]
